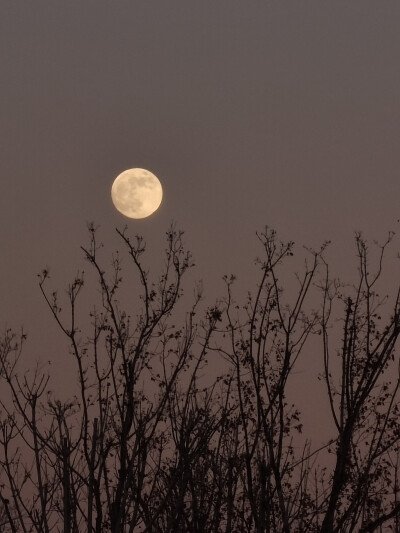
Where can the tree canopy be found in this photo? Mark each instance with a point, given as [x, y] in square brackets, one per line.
[155, 440]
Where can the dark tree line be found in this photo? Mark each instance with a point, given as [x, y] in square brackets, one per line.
[152, 441]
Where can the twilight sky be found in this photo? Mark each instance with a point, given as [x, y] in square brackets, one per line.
[250, 113]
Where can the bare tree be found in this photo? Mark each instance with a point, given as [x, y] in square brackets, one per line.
[150, 441]
[364, 403]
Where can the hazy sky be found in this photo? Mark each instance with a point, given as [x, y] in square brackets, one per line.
[249, 112]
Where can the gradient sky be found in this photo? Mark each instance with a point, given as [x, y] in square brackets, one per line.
[250, 113]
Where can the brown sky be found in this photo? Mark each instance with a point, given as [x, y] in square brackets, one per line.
[250, 113]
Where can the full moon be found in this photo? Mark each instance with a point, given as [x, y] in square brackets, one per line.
[136, 193]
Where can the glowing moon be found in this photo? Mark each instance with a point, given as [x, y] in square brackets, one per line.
[136, 193]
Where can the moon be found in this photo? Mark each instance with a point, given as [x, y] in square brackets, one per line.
[136, 193]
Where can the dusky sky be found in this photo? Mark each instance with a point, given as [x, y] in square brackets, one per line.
[250, 113]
